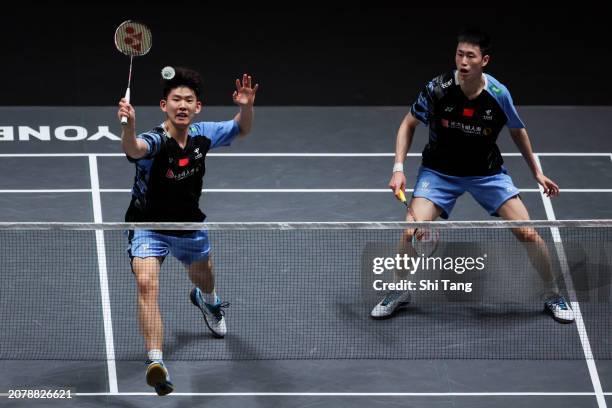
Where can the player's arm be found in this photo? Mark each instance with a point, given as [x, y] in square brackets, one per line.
[405, 134]
[132, 146]
[521, 139]
[244, 97]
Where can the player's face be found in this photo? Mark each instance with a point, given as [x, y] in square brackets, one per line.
[181, 106]
[470, 61]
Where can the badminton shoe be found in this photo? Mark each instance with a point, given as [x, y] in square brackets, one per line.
[213, 314]
[158, 377]
[390, 303]
[559, 310]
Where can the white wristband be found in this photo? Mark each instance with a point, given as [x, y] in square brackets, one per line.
[398, 167]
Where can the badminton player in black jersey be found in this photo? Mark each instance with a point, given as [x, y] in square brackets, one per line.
[465, 110]
[169, 162]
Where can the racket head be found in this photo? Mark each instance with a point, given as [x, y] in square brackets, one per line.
[133, 38]
[425, 241]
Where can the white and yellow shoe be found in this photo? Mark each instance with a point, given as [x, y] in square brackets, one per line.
[158, 377]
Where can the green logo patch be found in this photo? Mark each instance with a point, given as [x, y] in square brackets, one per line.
[495, 89]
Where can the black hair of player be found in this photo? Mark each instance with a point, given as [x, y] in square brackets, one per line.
[183, 77]
[475, 36]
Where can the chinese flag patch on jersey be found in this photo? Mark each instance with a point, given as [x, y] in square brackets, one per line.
[467, 112]
[183, 162]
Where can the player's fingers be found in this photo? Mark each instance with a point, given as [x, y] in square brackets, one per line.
[554, 186]
[255, 89]
[554, 190]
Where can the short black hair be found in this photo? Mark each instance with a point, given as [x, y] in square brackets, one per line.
[475, 36]
[183, 77]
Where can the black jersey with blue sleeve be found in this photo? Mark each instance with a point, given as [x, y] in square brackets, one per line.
[463, 132]
[169, 179]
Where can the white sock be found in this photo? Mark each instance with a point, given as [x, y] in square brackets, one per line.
[210, 298]
[155, 355]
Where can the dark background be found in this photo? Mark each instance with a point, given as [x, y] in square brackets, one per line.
[351, 54]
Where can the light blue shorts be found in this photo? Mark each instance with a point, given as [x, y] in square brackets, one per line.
[491, 192]
[186, 248]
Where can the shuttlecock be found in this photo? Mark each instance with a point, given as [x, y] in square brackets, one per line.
[168, 73]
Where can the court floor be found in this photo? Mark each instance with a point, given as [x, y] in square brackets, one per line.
[307, 164]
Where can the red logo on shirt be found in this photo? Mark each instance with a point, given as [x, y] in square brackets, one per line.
[170, 174]
[183, 162]
[468, 112]
[445, 123]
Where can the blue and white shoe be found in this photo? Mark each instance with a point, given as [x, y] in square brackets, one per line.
[158, 377]
[390, 303]
[558, 308]
[213, 314]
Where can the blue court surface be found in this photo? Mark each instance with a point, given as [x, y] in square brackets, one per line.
[299, 164]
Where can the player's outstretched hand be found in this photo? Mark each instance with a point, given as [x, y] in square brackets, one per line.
[244, 95]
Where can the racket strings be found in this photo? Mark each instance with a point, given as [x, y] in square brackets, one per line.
[133, 39]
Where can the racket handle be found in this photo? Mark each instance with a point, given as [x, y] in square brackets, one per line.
[124, 119]
[402, 197]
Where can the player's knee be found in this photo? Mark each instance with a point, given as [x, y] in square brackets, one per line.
[408, 234]
[526, 234]
[146, 284]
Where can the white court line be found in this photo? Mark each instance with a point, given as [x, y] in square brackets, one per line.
[104, 292]
[569, 284]
[289, 190]
[335, 394]
[345, 394]
[289, 154]
[583, 190]
[568, 154]
[59, 190]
